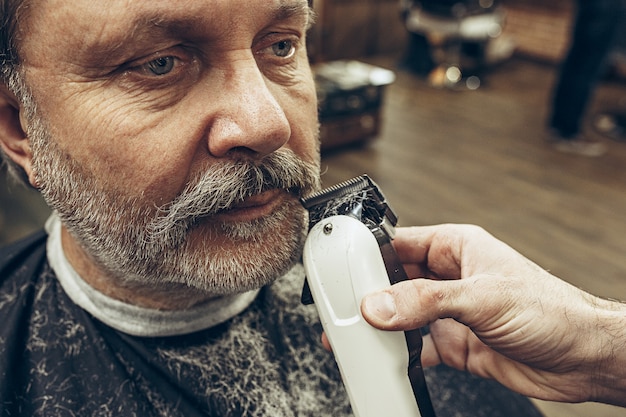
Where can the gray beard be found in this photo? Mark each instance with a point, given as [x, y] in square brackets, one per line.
[139, 244]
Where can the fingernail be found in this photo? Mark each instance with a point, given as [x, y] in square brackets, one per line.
[381, 305]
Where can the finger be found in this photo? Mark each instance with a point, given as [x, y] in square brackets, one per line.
[436, 249]
[413, 243]
[430, 354]
[450, 251]
[453, 342]
[326, 342]
[449, 342]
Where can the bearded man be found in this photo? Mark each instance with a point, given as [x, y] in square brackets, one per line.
[173, 141]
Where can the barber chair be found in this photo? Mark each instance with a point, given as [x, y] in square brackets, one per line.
[450, 41]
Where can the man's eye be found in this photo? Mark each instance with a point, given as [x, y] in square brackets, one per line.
[160, 66]
[283, 49]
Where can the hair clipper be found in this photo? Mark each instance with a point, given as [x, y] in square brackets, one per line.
[348, 254]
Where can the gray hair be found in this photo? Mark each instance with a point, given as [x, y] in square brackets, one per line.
[11, 13]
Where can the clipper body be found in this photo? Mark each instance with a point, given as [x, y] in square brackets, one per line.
[348, 254]
[343, 264]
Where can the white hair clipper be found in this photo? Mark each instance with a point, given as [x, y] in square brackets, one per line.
[348, 254]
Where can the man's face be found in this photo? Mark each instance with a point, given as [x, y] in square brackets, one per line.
[174, 138]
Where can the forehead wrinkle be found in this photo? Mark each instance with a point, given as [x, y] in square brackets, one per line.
[287, 9]
[152, 24]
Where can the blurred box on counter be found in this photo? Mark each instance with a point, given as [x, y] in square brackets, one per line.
[350, 96]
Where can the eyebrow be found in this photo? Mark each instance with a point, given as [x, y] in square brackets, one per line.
[289, 9]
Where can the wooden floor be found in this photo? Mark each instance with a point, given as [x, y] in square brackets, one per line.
[480, 157]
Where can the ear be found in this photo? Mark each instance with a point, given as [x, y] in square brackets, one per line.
[13, 138]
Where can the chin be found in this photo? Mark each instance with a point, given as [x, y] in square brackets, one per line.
[230, 258]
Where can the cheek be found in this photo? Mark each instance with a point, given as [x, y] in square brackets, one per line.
[305, 138]
[133, 153]
[301, 111]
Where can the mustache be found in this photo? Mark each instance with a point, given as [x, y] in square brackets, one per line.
[229, 182]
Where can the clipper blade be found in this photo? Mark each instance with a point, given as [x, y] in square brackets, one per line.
[359, 197]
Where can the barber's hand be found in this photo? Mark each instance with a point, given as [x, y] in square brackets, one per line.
[495, 314]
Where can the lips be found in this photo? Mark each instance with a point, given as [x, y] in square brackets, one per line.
[258, 200]
[253, 207]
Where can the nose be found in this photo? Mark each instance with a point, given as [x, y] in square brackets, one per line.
[249, 117]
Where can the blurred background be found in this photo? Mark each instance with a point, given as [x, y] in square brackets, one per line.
[445, 105]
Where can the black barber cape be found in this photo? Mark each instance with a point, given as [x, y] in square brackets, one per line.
[58, 360]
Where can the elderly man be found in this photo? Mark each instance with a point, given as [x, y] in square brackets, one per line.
[173, 141]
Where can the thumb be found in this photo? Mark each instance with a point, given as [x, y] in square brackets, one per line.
[411, 304]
